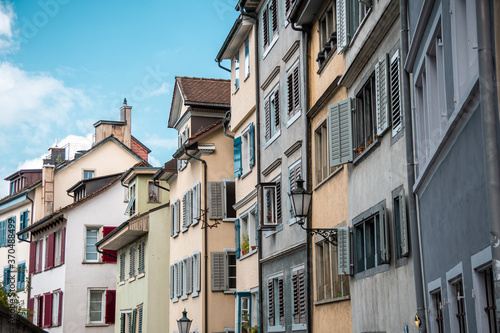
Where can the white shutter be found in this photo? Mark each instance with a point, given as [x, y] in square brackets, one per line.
[341, 25]
[384, 237]
[403, 223]
[177, 217]
[381, 89]
[215, 197]
[340, 135]
[395, 85]
[344, 251]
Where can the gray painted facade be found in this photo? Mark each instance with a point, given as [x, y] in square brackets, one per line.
[450, 184]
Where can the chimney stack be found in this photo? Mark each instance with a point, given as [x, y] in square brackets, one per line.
[126, 116]
[48, 189]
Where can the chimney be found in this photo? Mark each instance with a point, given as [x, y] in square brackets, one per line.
[48, 189]
[126, 116]
[56, 156]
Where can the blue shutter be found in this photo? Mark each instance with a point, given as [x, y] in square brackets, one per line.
[2, 233]
[237, 237]
[256, 225]
[6, 279]
[252, 146]
[237, 157]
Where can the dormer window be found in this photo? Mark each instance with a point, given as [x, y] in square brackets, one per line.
[17, 184]
[87, 174]
[80, 194]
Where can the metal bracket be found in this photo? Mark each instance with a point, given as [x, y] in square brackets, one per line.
[204, 220]
[330, 235]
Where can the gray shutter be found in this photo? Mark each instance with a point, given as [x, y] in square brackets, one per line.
[271, 306]
[196, 203]
[340, 136]
[184, 210]
[267, 113]
[278, 200]
[265, 27]
[302, 295]
[281, 300]
[296, 297]
[198, 272]
[403, 223]
[395, 84]
[172, 220]
[290, 93]
[296, 90]
[172, 285]
[177, 216]
[341, 25]
[344, 251]
[382, 105]
[215, 190]
[274, 13]
[189, 275]
[277, 111]
[384, 237]
[217, 260]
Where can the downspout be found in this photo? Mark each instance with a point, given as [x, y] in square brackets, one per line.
[224, 68]
[489, 121]
[410, 169]
[157, 184]
[31, 219]
[205, 234]
[102, 252]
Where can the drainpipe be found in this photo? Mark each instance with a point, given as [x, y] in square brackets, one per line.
[489, 120]
[224, 68]
[31, 219]
[102, 252]
[410, 170]
[205, 234]
[157, 184]
[225, 122]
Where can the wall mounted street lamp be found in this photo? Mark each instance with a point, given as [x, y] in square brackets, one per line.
[184, 323]
[301, 203]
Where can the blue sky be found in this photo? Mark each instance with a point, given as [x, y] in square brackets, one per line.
[65, 64]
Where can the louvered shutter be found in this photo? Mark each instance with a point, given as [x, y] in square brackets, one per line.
[21, 221]
[178, 279]
[237, 157]
[218, 271]
[265, 27]
[295, 174]
[277, 124]
[122, 322]
[177, 216]
[281, 301]
[198, 272]
[142, 252]
[32, 266]
[341, 25]
[340, 137]
[274, 10]
[196, 203]
[290, 93]
[404, 224]
[189, 275]
[49, 263]
[215, 200]
[251, 137]
[190, 208]
[296, 90]
[132, 262]
[296, 297]
[257, 224]
[133, 321]
[271, 306]
[237, 238]
[106, 258]
[63, 244]
[2, 234]
[31, 308]
[384, 237]
[382, 105]
[184, 210]
[267, 111]
[47, 312]
[184, 278]
[278, 200]
[344, 251]
[110, 306]
[60, 309]
[395, 84]
[122, 266]
[302, 295]
[140, 319]
[287, 5]
[172, 279]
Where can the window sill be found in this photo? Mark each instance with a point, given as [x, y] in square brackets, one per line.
[121, 283]
[332, 300]
[246, 77]
[324, 181]
[248, 254]
[229, 292]
[403, 261]
[96, 325]
[92, 262]
[184, 297]
[229, 219]
[140, 276]
[279, 227]
[272, 139]
[367, 151]
[132, 279]
[276, 328]
[325, 62]
[246, 173]
[372, 271]
[299, 327]
[268, 49]
[236, 90]
[294, 118]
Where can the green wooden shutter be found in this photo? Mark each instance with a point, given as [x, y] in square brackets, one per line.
[133, 321]
[344, 251]
[237, 237]
[2, 233]
[215, 190]
[341, 25]
[140, 319]
[122, 322]
[237, 157]
[384, 237]
[340, 136]
[218, 271]
[395, 85]
[403, 224]
[251, 137]
[381, 90]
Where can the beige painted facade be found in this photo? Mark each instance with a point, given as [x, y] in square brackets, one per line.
[329, 200]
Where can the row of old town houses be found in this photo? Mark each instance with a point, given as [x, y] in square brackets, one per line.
[386, 110]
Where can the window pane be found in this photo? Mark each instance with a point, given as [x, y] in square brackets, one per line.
[91, 251]
[370, 243]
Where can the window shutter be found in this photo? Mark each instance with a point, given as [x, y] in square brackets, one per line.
[302, 295]
[277, 108]
[215, 200]
[140, 318]
[287, 5]
[198, 272]
[217, 271]
[340, 132]
[132, 262]
[172, 281]
[281, 301]
[274, 10]
[122, 266]
[32, 266]
[404, 224]
[63, 244]
[177, 217]
[122, 322]
[251, 137]
[290, 93]
[296, 297]
[341, 25]
[106, 258]
[50, 251]
[270, 290]
[237, 157]
[47, 311]
[21, 221]
[265, 27]
[184, 210]
[142, 252]
[296, 92]
[384, 237]
[267, 111]
[2, 234]
[190, 275]
[6, 279]
[184, 278]
[179, 279]
[382, 106]
[395, 84]
[60, 309]
[133, 321]
[110, 306]
[256, 224]
[237, 237]
[278, 200]
[31, 308]
[344, 251]
[172, 220]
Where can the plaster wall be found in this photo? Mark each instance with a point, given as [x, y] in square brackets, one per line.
[247, 182]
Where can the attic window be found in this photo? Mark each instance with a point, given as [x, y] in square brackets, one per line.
[153, 193]
[87, 174]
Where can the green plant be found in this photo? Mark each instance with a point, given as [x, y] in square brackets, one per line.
[245, 244]
[255, 329]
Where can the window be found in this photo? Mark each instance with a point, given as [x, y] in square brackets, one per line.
[350, 14]
[330, 284]
[39, 311]
[39, 255]
[299, 297]
[270, 203]
[153, 193]
[57, 308]
[246, 232]
[436, 312]
[247, 307]
[175, 218]
[223, 266]
[132, 262]
[244, 156]
[245, 320]
[196, 203]
[294, 173]
[21, 276]
[327, 33]
[293, 91]
[221, 198]
[142, 254]
[95, 309]
[364, 116]
[322, 167]
[87, 174]
[36, 256]
[276, 301]
[91, 254]
[6, 279]
[272, 113]
[23, 223]
[457, 311]
[237, 70]
[182, 138]
[269, 22]
[247, 57]
[486, 300]
[58, 252]
[80, 194]
[131, 203]
[400, 223]
[371, 247]
[122, 265]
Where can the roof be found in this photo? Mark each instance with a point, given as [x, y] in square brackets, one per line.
[202, 132]
[22, 171]
[205, 91]
[141, 144]
[87, 180]
[120, 227]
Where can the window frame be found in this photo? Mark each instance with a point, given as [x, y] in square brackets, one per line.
[279, 305]
[247, 58]
[269, 15]
[90, 172]
[98, 233]
[252, 230]
[151, 186]
[302, 322]
[293, 88]
[237, 70]
[103, 305]
[273, 128]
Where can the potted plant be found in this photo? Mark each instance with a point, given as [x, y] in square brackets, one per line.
[245, 244]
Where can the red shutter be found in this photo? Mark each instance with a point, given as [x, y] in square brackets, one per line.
[63, 244]
[106, 258]
[59, 315]
[32, 258]
[47, 314]
[31, 308]
[50, 251]
[110, 306]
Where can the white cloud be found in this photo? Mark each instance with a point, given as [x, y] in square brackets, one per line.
[154, 141]
[7, 17]
[164, 89]
[153, 161]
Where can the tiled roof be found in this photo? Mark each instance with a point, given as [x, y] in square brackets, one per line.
[202, 130]
[205, 91]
